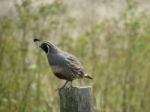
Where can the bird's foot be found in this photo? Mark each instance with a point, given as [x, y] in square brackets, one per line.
[60, 88]
[70, 86]
[65, 86]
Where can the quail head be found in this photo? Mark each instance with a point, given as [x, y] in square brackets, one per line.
[64, 65]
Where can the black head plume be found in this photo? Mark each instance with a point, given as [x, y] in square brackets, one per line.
[35, 40]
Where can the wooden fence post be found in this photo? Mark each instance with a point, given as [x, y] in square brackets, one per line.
[76, 99]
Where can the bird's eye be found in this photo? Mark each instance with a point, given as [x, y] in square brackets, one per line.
[45, 48]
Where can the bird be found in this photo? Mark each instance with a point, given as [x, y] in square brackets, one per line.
[63, 64]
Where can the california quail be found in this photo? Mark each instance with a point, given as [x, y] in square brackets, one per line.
[64, 65]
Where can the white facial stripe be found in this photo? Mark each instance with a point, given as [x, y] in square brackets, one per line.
[48, 49]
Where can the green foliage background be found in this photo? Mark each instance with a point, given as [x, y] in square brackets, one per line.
[115, 51]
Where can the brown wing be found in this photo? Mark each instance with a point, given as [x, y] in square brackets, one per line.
[75, 67]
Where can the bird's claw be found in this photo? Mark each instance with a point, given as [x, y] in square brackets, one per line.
[70, 87]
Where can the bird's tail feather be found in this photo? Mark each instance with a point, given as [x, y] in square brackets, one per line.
[89, 77]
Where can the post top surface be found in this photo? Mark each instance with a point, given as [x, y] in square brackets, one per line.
[82, 87]
[77, 88]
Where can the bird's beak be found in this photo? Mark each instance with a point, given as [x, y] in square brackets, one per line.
[37, 42]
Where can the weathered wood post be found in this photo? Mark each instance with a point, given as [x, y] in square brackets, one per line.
[76, 99]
